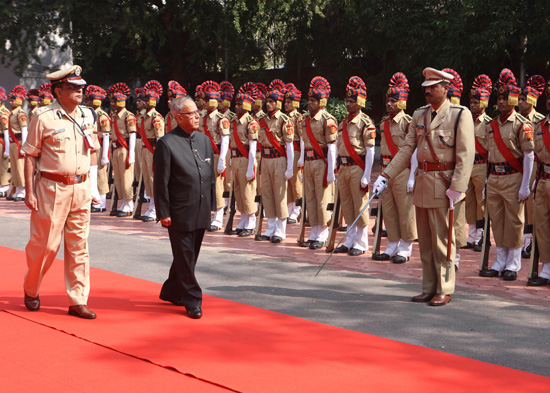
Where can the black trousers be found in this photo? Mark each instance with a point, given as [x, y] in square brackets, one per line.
[181, 287]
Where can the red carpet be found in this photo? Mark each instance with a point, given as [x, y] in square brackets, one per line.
[233, 347]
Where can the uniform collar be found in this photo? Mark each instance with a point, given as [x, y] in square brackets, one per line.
[398, 116]
[121, 113]
[243, 118]
[443, 106]
[150, 112]
[212, 114]
[319, 114]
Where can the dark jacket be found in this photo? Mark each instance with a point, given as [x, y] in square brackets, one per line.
[184, 181]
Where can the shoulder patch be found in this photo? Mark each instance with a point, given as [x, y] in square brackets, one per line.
[539, 116]
[487, 118]
[285, 117]
[408, 118]
[248, 118]
[44, 109]
[221, 116]
[326, 115]
[521, 118]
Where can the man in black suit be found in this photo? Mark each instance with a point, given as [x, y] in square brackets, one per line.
[185, 189]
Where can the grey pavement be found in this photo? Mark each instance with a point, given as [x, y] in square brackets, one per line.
[476, 326]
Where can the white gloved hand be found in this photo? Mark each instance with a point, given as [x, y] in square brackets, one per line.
[300, 163]
[523, 193]
[453, 196]
[414, 165]
[6, 144]
[132, 148]
[224, 147]
[250, 174]
[105, 155]
[289, 161]
[528, 160]
[369, 160]
[410, 184]
[331, 163]
[380, 185]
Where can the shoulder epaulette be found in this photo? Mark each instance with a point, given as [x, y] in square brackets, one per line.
[521, 118]
[285, 117]
[44, 109]
[456, 106]
[539, 116]
[366, 119]
[326, 115]
[487, 118]
[384, 118]
[93, 112]
[232, 115]
[248, 118]
[423, 108]
[408, 118]
[220, 115]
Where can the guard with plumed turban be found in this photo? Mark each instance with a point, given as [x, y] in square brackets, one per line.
[294, 189]
[17, 128]
[4, 145]
[174, 90]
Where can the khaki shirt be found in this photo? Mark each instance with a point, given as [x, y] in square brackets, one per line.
[480, 125]
[399, 128]
[362, 134]
[17, 120]
[448, 146]
[4, 115]
[517, 134]
[279, 125]
[297, 119]
[170, 123]
[103, 122]
[126, 123]
[543, 155]
[217, 125]
[152, 124]
[247, 130]
[534, 116]
[57, 142]
[258, 115]
[324, 128]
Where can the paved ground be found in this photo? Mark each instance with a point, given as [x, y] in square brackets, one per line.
[488, 319]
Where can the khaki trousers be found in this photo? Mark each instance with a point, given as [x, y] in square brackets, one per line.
[62, 210]
[295, 183]
[398, 210]
[220, 202]
[352, 199]
[541, 209]
[506, 213]
[317, 196]
[123, 177]
[475, 205]
[17, 166]
[5, 176]
[244, 190]
[433, 230]
[137, 166]
[274, 187]
[147, 171]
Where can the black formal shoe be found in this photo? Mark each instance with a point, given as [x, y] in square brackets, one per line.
[478, 246]
[113, 213]
[306, 243]
[423, 297]
[233, 232]
[467, 246]
[147, 218]
[82, 311]
[384, 233]
[341, 250]
[32, 303]
[194, 313]
[245, 233]
[440, 300]
[354, 252]
[538, 282]
[314, 245]
[525, 254]
[399, 259]
[489, 273]
[10, 198]
[97, 209]
[381, 257]
[262, 238]
[343, 229]
[291, 220]
[276, 239]
[238, 231]
[509, 275]
[213, 228]
[18, 199]
[167, 299]
[120, 213]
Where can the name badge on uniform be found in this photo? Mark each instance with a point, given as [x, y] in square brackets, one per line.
[58, 131]
[420, 126]
[500, 169]
[546, 169]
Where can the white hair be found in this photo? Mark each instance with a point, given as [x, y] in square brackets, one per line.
[177, 105]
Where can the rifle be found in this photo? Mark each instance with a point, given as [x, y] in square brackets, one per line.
[534, 260]
[232, 208]
[377, 227]
[260, 218]
[139, 199]
[302, 229]
[486, 246]
[334, 222]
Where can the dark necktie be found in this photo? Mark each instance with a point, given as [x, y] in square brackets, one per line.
[434, 114]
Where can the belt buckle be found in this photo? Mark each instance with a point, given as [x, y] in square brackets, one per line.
[233, 153]
[344, 160]
[500, 169]
[267, 151]
[547, 169]
[309, 153]
[424, 166]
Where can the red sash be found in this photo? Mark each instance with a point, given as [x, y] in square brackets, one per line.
[317, 148]
[545, 135]
[350, 149]
[274, 142]
[389, 141]
[144, 137]
[12, 135]
[240, 145]
[506, 153]
[480, 149]
[169, 123]
[209, 135]
[121, 141]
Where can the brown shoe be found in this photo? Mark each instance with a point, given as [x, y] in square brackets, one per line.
[440, 300]
[32, 303]
[423, 297]
[82, 311]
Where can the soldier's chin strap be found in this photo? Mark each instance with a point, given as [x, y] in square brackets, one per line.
[374, 194]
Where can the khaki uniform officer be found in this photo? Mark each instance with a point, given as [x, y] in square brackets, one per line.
[216, 127]
[356, 137]
[542, 196]
[227, 91]
[509, 142]
[123, 135]
[97, 95]
[33, 96]
[294, 189]
[4, 145]
[443, 134]
[318, 158]
[151, 128]
[17, 128]
[58, 147]
[475, 206]
[275, 136]
[140, 113]
[243, 140]
[397, 202]
[527, 101]
[45, 94]
[174, 90]
[257, 114]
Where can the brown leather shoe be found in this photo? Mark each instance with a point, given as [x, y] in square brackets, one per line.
[440, 300]
[423, 297]
[32, 303]
[82, 311]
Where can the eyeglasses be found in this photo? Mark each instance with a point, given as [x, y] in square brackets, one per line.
[194, 113]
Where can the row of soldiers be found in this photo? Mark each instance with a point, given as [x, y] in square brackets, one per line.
[297, 157]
